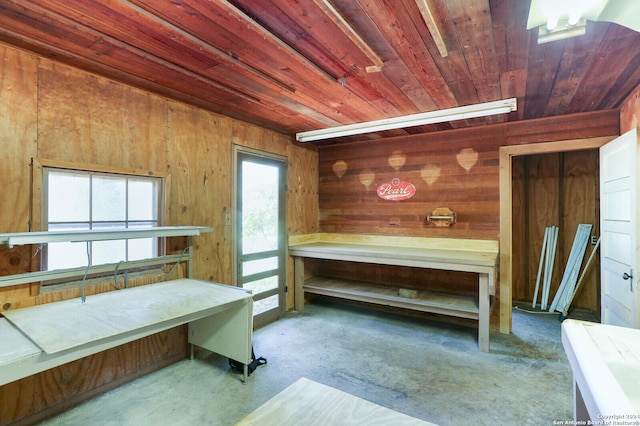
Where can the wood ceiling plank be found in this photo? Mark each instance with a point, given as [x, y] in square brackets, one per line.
[253, 44]
[615, 53]
[578, 54]
[423, 84]
[307, 29]
[110, 57]
[290, 65]
[511, 40]
[234, 72]
[624, 85]
[299, 26]
[475, 33]
[541, 75]
[453, 68]
[332, 13]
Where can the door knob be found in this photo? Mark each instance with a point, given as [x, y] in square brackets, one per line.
[626, 276]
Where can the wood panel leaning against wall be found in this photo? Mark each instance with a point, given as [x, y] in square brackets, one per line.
[56, 112]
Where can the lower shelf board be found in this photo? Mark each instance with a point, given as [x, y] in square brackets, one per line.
[424, 301]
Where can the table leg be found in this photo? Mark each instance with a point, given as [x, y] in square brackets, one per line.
[298, 281]
[484, 313]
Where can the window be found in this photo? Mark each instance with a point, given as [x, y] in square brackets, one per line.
[87, 200]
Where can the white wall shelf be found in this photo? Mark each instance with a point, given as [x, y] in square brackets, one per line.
[43, 237]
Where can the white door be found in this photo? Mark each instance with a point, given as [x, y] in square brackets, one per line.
[618, 228]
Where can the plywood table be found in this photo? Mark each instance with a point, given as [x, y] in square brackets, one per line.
[605, 361]
[309, 403]
[477, 256]
[38, 338]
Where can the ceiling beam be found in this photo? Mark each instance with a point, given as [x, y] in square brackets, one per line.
[432, 25]
[332, 13]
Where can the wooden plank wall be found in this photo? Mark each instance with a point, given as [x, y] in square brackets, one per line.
[630, 112]
[52, 111]
[560, 189]
[459, 169]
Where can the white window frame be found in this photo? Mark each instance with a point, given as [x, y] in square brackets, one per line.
[39, 209]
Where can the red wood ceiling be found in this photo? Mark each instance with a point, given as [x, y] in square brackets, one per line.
[296, 65]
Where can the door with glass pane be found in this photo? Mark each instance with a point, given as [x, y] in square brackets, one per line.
[260, 231]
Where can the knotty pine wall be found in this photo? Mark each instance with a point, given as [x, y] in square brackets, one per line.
[459, 169]
[51, 111]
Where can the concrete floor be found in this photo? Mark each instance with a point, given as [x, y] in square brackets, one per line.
[429, 370]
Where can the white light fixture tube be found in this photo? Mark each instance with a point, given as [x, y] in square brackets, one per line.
[431, 117]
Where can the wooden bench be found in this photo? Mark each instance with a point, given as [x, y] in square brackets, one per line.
[38, 338]
[476, 256]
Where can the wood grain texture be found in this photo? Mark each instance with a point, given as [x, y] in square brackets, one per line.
[87, 119]
[291, 66]
[115, 313]
[18, 137]
[37, 397]
[507, 154]
[311, 403]
[559, 189]
[83, 118]
[347, 205]
[630, 112]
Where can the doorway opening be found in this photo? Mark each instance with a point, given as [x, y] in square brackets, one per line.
[506, 155]
[260, 243]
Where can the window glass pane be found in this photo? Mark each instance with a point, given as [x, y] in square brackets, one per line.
[109, 198]
[83, 200]
[108, 251]
[68, 197]
[67, 255]
[143, 202]
[260, 286]
[264, 305]
[261, 265]
[260, 207]
[143, 248]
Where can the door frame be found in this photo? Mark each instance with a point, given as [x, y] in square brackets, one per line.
[240, 149]
[506, 208]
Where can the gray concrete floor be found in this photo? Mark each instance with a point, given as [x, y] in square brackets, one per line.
[426, 369]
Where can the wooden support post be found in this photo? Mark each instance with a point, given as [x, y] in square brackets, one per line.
[483, 312]
[298, 281]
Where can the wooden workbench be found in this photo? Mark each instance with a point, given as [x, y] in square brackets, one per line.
[38, 338]
[476, 256]
[605, 361]
[309, 403]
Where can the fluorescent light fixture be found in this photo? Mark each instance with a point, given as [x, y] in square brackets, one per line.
[561, 31]
[440, 116]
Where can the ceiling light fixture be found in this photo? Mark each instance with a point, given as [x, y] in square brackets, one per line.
[558, 20]
[431, 117]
